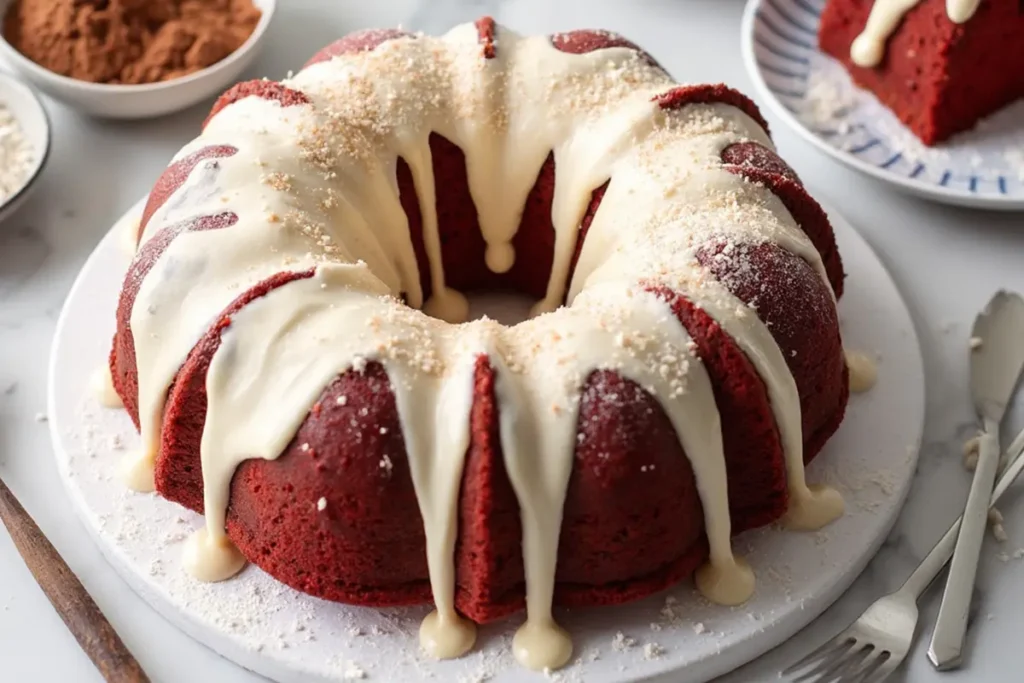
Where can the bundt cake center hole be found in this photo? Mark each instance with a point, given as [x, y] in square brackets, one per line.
[508, 308]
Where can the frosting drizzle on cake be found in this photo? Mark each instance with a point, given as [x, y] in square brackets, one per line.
[868, 49]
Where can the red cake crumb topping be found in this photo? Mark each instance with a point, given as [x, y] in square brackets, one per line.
[174, 177]
[588, 40]
[485, 31]
[679, 97]
[756, 155]
[267, 90]
[359, 41]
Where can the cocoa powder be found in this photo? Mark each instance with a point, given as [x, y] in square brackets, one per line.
[128, 41]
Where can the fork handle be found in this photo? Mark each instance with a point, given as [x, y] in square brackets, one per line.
[930, 567]
[946, 648]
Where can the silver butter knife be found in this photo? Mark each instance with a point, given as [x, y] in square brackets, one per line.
[997, 357]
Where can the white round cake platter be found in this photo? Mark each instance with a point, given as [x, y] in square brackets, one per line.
[673, 636]
[813, 94]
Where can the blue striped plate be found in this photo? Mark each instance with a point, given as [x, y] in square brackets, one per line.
[813, 93]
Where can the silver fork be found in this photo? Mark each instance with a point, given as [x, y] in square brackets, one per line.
[878, 642]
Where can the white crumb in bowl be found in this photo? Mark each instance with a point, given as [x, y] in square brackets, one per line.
[17, 157]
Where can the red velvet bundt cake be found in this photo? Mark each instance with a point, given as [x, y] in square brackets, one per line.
[683, 363]
[939, 65]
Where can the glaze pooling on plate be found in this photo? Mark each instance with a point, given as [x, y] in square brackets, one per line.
[812, 92]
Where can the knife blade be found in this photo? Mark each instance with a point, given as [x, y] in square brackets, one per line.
[997, 358]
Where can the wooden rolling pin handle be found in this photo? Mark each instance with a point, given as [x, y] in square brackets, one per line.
[68, 596]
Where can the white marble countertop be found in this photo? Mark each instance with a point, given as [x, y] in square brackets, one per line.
[946, 261]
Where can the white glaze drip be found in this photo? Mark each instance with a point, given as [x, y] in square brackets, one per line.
[868, 49]
[137, 472]
[103, 388]
[863, 371]
[211, 557]
[314, 189]
[447, 636]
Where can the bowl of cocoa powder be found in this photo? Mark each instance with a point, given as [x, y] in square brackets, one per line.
[132, 59]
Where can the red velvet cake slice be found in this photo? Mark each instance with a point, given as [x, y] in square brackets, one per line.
[939, 74]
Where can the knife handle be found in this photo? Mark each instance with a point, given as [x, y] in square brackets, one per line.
[946, 648]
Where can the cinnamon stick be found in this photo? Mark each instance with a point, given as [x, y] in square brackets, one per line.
[68, 596]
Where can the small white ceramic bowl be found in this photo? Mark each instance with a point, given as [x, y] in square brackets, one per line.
[26, 108]
[141, 101]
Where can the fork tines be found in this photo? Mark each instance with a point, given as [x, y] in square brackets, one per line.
[844, 659]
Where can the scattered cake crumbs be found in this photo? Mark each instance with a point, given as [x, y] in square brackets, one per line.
[995, 520]
[621, 642]
[976, 343]
[972, 448]
[353, 672]
[653, 651]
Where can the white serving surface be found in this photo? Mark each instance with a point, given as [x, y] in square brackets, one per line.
[674, 636]
[946, 261]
